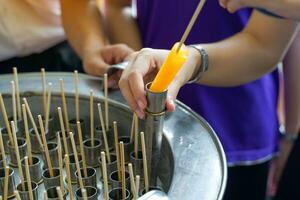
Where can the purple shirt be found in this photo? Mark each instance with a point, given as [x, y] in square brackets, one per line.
[244, 117]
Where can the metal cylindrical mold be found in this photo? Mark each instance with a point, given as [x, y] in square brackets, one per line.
[68, 141]
[128, 147]
[90, 180]
[116, 194]
[92, 153]
[1, 161]
[73, 129]
[20, 130]
[73, 168]
[51, 181]
[35, 146]
[109, 134]
[51, 130]
[11, 182]
[53, 153]
[155, 114]
[53, 195]
[22, 151]
[24, 194]
[137, 163]
[115, 183]
[5, 138]
[112, 166]
[35, 169]
[92, 193]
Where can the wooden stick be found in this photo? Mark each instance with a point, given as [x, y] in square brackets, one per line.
[145, 166]
[137, 185]
[17, 195]
[14, 105]
[48, 107]
[76, 80]
[37, 135]
[63, 131]
[59, 192]
[104, 175]
[136, 136]
[76, 160]
[5, 118]
[132, 182]
[67, 162]
[18, 155]
[191, 24]
[46, 151]
[44, 90]
[92, 118]
[83, 192]
[117, 148]
[81, 149]
[46, 196]
[60, 163]
[27, 134]
[2, 150]
[63, 98]
[123, 170]
[104, 133]
[106, 102]
[28, 178]
[16, 79]
[6, 176]
[132, 128]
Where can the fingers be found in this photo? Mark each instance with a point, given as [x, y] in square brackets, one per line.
[232, 5]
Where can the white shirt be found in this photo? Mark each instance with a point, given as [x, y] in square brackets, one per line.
[29, 26]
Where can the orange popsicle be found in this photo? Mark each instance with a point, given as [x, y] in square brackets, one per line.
[169, 69]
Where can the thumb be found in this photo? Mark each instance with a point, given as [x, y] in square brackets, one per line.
[173, 90]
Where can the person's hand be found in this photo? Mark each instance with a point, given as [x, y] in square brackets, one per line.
[96, 62]
[280, 162]
[234, 5]
[142, 68]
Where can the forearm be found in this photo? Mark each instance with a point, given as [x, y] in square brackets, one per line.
[83, 25]
[122, 26]
[250, 54]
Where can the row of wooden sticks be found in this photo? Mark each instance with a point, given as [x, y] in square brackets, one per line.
[25, 109]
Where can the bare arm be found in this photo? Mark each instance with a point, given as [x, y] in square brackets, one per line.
[242, 58]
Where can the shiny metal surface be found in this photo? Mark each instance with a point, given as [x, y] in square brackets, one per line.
[192, 165]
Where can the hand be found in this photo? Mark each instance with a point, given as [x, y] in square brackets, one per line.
[97, 62]
[234, 5]
[142, 68]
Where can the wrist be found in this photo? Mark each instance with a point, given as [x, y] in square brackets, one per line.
[200, 56]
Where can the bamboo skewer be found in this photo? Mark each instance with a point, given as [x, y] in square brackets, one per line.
[92, 118]
[63, 132]
[83, 192]
[46, 151]
[2, 150]
[63, 98]
[27, 134]
[16, 79]
[14, 105]
[104, 133]
[17, 195]
[45, 195]
[18, 155]
[76, 161]
[136, 136]
[60, 164]
[5, 118]
[48, 107]
[145, 166]
[106, 102]
[123, 170]
[81, 149]
[191, 24]
[44, 90]
[117, 148]
[33, 123]
[6, 176]
[67, 162]
[28, 178]
[137, 185]
[60, 193]
[132, 182]
[76, 80]
[132, 128]
[104, 174]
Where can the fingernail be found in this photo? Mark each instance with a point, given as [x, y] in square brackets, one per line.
[141, 104]
[140, 114]
[111, 83]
